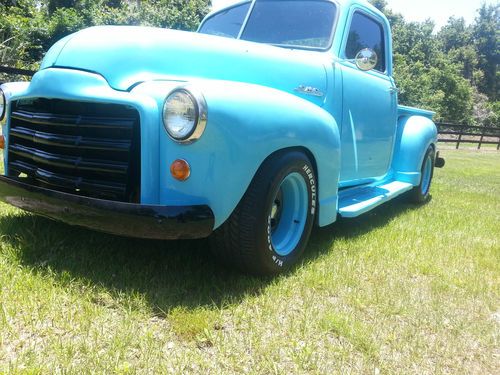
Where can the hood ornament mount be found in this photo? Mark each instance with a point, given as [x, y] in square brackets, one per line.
[309, 90]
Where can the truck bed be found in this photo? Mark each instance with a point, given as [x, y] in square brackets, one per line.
[412, 111]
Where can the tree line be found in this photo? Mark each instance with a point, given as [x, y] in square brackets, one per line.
[453, 71]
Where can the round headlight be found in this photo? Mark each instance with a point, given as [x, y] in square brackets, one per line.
[3, 105]
[184, 115]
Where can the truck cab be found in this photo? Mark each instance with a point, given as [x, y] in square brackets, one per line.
[275, 116]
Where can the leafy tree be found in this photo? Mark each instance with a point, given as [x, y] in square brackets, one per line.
[485, 112]
[53, 5]
[437, 71]
[64, 21]
[487, 41]
[21, 33]
[455, 34]
[457, 40]
[379, 4]
[394, 18]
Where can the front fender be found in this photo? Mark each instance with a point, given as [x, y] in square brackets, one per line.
[10, 90]
[414, 136]
[246, 124]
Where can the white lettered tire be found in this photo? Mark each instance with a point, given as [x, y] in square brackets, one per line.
[270, 228]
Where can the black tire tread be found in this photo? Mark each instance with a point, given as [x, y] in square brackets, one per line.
[234, 242]
[415, 195]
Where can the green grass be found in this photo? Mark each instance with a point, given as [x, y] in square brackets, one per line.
[401, 290]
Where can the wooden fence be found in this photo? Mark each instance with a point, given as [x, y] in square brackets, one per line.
[15, 71]
[460, 134]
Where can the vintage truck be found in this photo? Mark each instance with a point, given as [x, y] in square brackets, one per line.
[274, 117]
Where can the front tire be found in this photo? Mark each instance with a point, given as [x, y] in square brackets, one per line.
[268, 231]
[421, 193]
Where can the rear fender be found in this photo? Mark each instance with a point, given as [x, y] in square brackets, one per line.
[414, 136]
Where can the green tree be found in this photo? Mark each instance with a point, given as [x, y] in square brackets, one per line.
[487, 42]
[435, 71]
[394, 18]
[379, 4]
[22, 32]
[457, 40]
[455, 34]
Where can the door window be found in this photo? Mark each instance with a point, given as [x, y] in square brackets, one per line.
[365, 32]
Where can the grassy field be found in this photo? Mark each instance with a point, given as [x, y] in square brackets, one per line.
[402, 290]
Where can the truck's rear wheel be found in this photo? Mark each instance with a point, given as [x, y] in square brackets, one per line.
[269, 229]
[420, 194]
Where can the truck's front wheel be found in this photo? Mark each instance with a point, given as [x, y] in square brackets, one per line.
[269, 229]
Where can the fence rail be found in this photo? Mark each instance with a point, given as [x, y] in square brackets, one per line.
[459, 134]
[15, 72]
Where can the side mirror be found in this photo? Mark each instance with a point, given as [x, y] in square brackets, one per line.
[366, 59]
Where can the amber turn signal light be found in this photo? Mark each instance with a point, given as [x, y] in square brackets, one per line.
[2, 142]
[180, 170]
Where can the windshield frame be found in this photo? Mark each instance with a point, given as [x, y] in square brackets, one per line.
[288, 46]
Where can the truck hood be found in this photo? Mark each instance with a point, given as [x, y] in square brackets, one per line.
[125, 56]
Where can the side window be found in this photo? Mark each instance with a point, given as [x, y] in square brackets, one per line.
[226, 23]
[365, 32]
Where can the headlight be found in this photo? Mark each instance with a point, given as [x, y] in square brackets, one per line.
[3, 105]
[185, 115]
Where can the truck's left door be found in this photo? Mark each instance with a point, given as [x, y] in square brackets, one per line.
[369, 102]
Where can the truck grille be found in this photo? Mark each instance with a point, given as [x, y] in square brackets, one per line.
[79, 148]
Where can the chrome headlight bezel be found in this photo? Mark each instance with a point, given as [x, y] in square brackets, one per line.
[201, 114]
[3, 105]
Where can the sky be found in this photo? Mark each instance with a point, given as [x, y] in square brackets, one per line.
[420, 10]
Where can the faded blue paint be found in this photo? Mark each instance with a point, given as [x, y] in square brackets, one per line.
[253, 110]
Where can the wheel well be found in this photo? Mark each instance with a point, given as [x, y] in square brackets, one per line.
[304, 150]
[311, 157]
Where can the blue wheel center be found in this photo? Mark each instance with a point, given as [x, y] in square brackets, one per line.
[288, 214]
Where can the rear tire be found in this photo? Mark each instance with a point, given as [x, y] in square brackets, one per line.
[421, 193]
[269, 229]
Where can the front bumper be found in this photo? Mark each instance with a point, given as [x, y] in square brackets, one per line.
[123, 219]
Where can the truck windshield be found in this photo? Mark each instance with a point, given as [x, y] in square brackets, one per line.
[286, 23]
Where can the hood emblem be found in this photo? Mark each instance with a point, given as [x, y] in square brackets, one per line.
[309, 90]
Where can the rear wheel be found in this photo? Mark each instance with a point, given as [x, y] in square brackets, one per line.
[421, 193]
[269, 229]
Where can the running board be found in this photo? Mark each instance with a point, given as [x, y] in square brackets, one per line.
[356, 201]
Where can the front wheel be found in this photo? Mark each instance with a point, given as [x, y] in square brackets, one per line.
[269, 229]
[420, 194]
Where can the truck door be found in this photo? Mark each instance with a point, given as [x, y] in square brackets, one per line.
[369, 112]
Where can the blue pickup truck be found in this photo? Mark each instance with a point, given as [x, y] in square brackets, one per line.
[277, 115]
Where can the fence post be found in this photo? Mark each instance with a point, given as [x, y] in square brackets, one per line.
[458, 142]
[481, 140]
